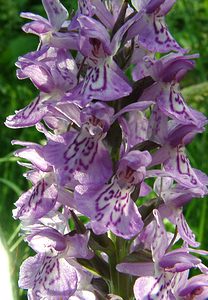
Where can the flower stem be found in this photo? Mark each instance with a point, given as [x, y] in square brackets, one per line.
[120, 282]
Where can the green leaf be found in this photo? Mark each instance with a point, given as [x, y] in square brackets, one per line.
[12, 186]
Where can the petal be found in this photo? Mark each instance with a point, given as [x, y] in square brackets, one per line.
[86, 7]
[48, 276]
[37, 27]
[157, 288]
[139, 4]
[196, 287]
[154, 35]
[160, 239]
[56, 12]
[111, 207]
[47, 241]
[136, 269]
[140, 106]
[184, 230]
[166, 7]
[100, 111]
[178, 196]
[135, 159]
[64, 40]
[65, 71]
[40, 77]
[179, 168]
[36, 202]
[158, 126]
[34, 153]
[92, 29]
[103, 13]
[31, 16]
[178, 261]
[67, 112]
[78, 246]
[172, 67]
[172, 104]
[153, 5]
[103, 83]
[135, 129]
[28, 116]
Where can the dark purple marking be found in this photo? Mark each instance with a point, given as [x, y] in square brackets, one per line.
[80, 154]
[161, 29]
[27, 111]
[49, 265]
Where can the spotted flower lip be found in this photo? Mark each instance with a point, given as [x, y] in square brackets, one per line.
[77, 152]
[110, 208]
[45, 275]
[54, 271]
[104, 79]
[36, 202]
[111, 205]
[151, 28]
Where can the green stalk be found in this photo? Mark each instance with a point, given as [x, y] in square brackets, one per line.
[120, 283]
[203, 220]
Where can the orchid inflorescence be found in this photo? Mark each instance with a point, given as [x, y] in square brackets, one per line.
[113, 171]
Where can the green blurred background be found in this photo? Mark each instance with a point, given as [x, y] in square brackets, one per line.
[188, 22]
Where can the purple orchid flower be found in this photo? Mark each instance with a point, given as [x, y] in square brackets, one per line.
[167, 72]
[52, 79]
[45, 194]
[48, 276]
[165, 189]
[134, 129]
[113, 117]
[82, 155]
[49, 30]
[177, 166]
[195, 288]
[104, 79]
[167, 266]
[151, 28]
[110, 206]
[54, 271]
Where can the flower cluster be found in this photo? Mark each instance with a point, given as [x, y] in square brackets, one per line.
[113, 166]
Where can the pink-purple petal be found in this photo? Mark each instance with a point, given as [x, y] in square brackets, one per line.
[56, 13]
[103, 83]
[36, 202]
[28, 116]
[48, 276]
